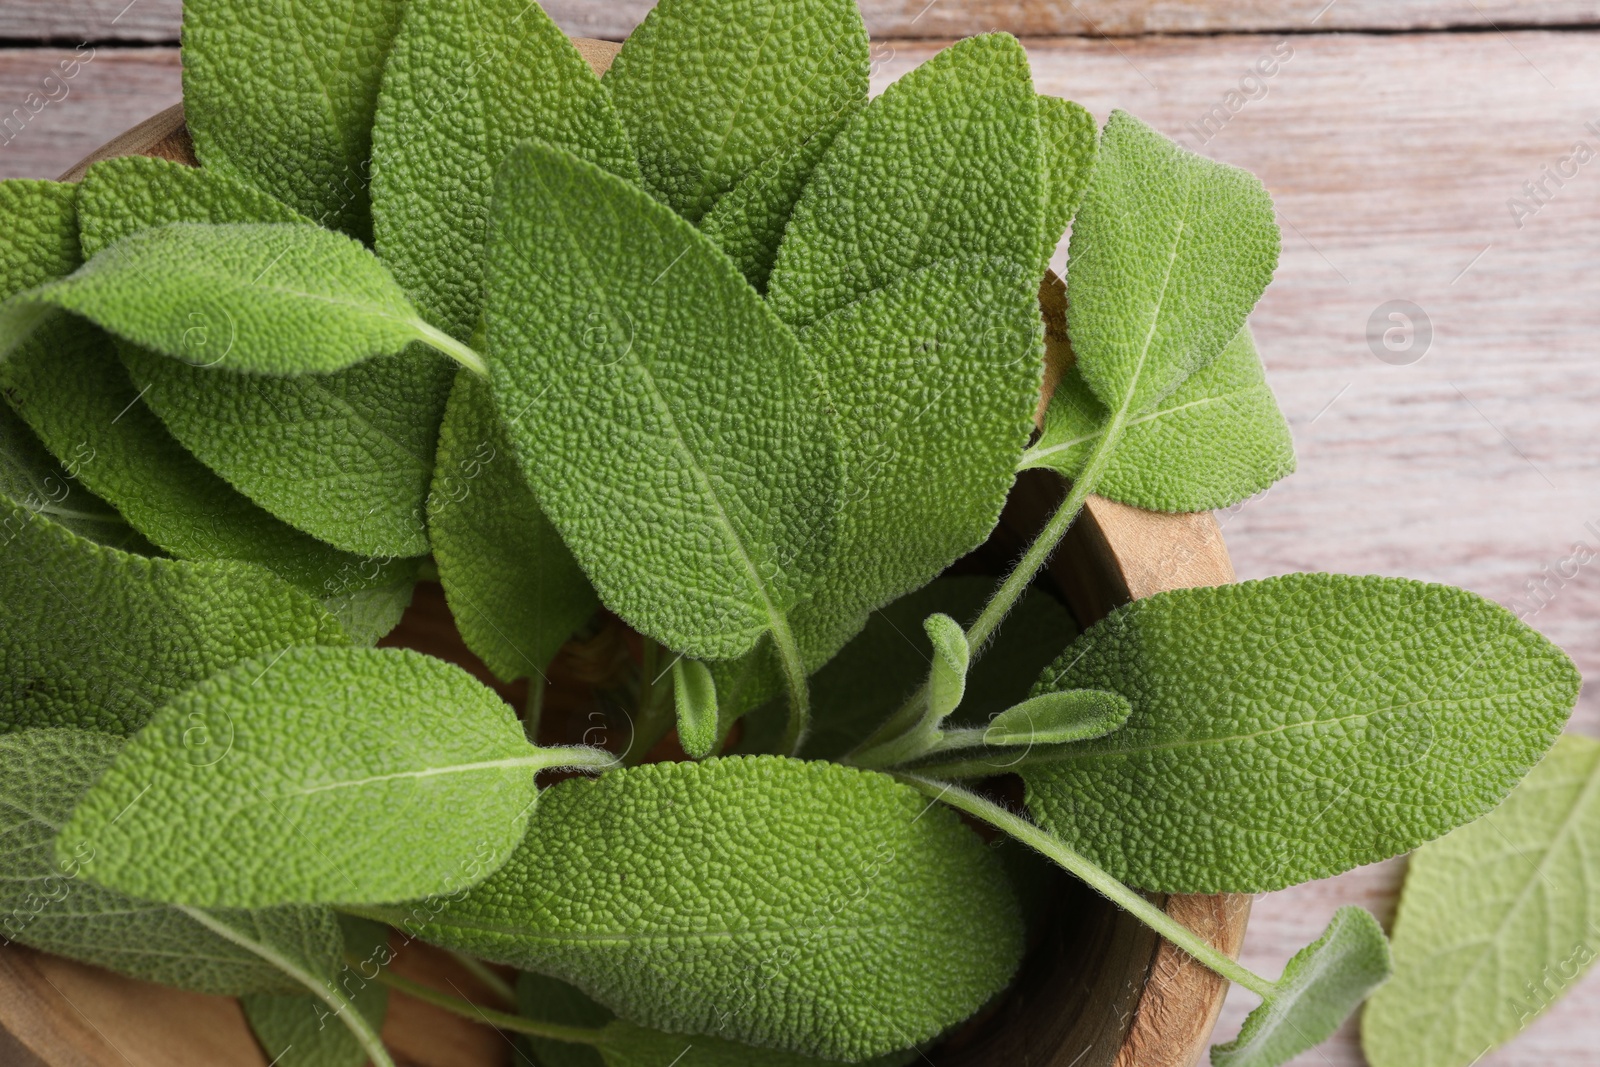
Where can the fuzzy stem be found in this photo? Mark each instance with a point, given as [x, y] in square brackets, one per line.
[653, 715]
[533, 710]
[443, 342]
[577, 758]
[1097, 879]
[794, 673]
[500, 1020]
[347, 1012]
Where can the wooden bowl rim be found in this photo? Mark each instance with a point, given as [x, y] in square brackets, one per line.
[1133, 553]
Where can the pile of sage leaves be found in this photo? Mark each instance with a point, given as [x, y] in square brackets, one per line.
[749, 359]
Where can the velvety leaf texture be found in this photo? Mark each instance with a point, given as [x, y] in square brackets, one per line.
[301, 1031]
[40, 241]
[44, 905]
[947, 162]
[513, 588]
[808, 907]
[457, 96]
[269, 299]
[710, 90]
[669, 424]
[283, 96]
[1169, 253]
[100, 639]
[1217, 439]
[67, 383]
[1496, 921]
[33, 479]
[1070, 142]
[1292, 728]
[1320, 987]
[349, 775]
[346, 456]
[933, 380]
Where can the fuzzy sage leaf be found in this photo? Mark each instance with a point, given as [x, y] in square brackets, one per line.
[614, 319]
[643, 888]
[695, 699]
[294, 1030]
[1345, 752]
[1320, 987]
[1496, 920]
[1070, 143]
[1219, 438]
[349, 775]
[947, 678]
[283, 98]
[712, 90]
[1059, 717]
[262, 298]
[46, 902]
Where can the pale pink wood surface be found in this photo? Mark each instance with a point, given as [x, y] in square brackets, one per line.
[1391, 159]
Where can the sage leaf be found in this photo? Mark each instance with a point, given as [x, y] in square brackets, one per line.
[1055, 718]
[99, 639]
[1292, 728]
[934, 380]
[947, 679]
[806, 907]
[33, 479]
[1070, 143]
[348, 775]
[946, 162]
[295, 1031]
[261, 298]
[695, 700]
[346, 456]
[1496, 920]
[514, 590]
[66, 383]
[748, 221]
[1320, 987]
[551, 1000]
[1169, 253]
[284, 99]
[710, 90]
[1218, 439]
[616, 321]
[49, 905]
[41, 238]
[457, 97]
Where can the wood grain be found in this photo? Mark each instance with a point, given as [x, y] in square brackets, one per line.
[1391, 159]
[158, 20]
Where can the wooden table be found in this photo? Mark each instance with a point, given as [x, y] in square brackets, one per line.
[1398, 160]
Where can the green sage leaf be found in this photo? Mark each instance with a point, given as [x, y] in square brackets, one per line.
[616, 321]
[1321, 986]
[1496, 920]
[1070, 143]
[1292, 728]
[345, 456]
[301, 1031]
[41, 237]
[1219, 438]
[695, 700]
[35, 480]
[457, 96]
[1056, 718]
[349, 775]
[268, 299]
[799, 906]
[711, 90]
[100, 639]
[947, 679]
[513, 588]
[1169, 253]
[46, 903]
[284, 98]
[947, 162]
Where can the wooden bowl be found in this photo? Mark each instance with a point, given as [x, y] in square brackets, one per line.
[1099, 989]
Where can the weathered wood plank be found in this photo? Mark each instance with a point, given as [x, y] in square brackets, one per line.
[157, 20]
[1392, 160]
